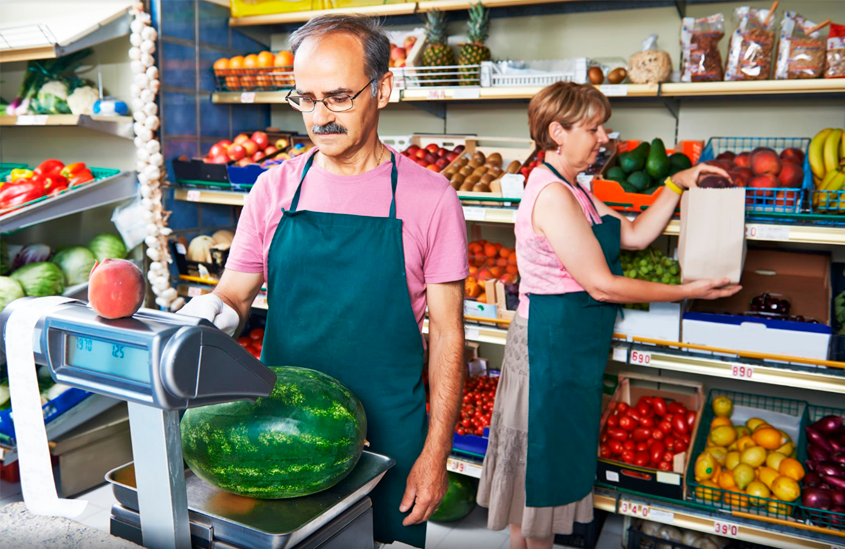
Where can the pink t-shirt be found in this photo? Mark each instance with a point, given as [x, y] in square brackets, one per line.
[540, 270]
[433, 226]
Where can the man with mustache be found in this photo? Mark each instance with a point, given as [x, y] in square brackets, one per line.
[354, 241]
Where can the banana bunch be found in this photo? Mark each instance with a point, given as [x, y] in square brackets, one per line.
[827, 161]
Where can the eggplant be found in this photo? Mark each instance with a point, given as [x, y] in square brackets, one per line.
[838, 457]
[816, 498]
[812, 479]
[828, 424]
[816, 452]
[829, 469]
[837, 497]
[819, 439]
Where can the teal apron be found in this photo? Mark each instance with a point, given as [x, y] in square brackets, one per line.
[569, 338]
[338, 302]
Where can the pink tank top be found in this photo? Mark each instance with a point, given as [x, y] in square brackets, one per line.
[540, 270]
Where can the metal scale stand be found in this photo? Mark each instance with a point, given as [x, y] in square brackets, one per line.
[161, 363]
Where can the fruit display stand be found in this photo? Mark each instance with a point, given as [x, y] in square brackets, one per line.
[510, 152]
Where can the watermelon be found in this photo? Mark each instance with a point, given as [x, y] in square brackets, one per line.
[302, 439]
[459, 501]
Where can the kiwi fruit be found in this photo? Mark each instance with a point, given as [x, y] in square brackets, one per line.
[474, 164]
[466, 170]
[495, 157]
[496, 172]
[455, 185]
[481, 188]
[479, 156]
[473, 179]
[457, 178]
[466, 186]
[487, 178]
[461, 162]
[481, 170]
[513, 167]
[449, 172]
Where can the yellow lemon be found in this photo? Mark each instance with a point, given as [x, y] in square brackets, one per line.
[718, 453]
[732, 447]
[732, 460]
[705, 466]
[723, 406]
[786, 488]
[773, 460]
[761, 426]
[754, 456]
[778, 508]
[741, 431]
[767, 475]
[791, 468]
[720, 422]
[723, 436]
[743, 475]
[754, 422]
[757, 489]
[744, 443]
[706, 493]
[787, 449]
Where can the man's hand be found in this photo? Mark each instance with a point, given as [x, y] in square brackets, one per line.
[426, 486]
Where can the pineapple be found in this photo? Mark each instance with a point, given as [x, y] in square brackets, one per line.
[474, 52]
[437, 53]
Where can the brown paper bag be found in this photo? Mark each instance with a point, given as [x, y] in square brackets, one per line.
[712, 239]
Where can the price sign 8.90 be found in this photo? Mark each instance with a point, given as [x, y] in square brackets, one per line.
[742, 372]
[638, 357]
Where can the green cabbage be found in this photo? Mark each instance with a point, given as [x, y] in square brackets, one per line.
[10, 290]
[40, 279]
[107, 246]
[76, 263]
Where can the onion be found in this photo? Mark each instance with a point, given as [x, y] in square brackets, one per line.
[837, 443]
[828, 424]
[818, 438]
[830, 469]
[838, 498]
[838, 457]
[837, 483]
[816, 452]
[837, 520]
[816, 498]
[812, 479]
[810, 464]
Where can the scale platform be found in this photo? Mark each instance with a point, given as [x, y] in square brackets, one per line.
[258, 523]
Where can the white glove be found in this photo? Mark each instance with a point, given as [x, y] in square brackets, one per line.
[214, 310]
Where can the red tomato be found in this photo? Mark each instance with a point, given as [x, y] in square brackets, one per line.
[257, 334]
[665, 466]
[465, 422]
[604, 451]
[479, 432]
[641, 447]
[623, 407]
[657, 434]
[659, 406]
[628, 457]
[461, 432]
[665, 426]
[690, 419]
[244, 341]
[677, 408]
[615, 447]
[669, 442]
[629, 445]
[679, 424]
[657, 451]
[641, 434]
[668, 457]
[617, 433]
[641, 459]
[680, 446]
[648, 400]
[257, 347]
[634, 414]
[613, 421]
[686, 438]
[627, 423]
[643, 409]
[646, 422]
[650, 442]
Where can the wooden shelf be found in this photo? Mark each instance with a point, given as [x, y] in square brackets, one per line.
[753, 87]
[120, 126]
[455, 5]
[479, 333]
[407, 8]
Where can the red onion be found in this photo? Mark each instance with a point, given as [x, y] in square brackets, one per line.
[837, 443]
[816, 452]
[837, 497]
[812, 479]
[818, 438]
[838, 457]
[830, 469]
[828, 424]
[816, 498]
[810, 464]
[835, 482]
[837, 520]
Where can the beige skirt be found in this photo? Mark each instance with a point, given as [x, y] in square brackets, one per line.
[502, 486]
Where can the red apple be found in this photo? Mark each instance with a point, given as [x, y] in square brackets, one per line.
[743, 175]
[459, 149]
[743, 160]
[219, 159]
[441, 152]
[422, 163]
[441, 163]
[270, 150]
[421, 153]
[727, 155]
[243, 162]
[432, 148]
[765, 161]
[260, 139]
[399, 64]
[433, 168]
[409, 42]
[398, 53]
[250, 146]
[791, 175]
[236, 152]
[240, 138]
[792, 155]
[412, 149]
[430, 158]
[406, 154]
[218, 149]
[259, 156]
[452, 156]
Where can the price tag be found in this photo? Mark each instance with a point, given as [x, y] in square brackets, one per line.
[614, 90]
[32, 120]
[436, 94]
[472, 334]
[742, 372]
[194, 291]
[634, 509]
[725, 529]
[248, 97]
[620, 354]
[475, 214]
[260, 301]
[638, 357]
[513, 185]
[466, 93]
[767, 232]
[193, 196]
[463, 467]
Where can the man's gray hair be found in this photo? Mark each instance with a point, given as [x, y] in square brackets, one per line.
[367, 29]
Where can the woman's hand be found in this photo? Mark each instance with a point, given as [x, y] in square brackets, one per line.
[710, 289]
[688, 179]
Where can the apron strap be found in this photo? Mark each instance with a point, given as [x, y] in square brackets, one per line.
[394, 180]
[594, 213]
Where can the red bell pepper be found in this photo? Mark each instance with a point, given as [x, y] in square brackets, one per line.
[15, 194]
[50, 181]
[50, 166]
[56, 191]
[81, 177]
[71, 170]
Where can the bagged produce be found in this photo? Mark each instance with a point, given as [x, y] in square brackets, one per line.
[701, 60]
[712, 237]
[651, 65]
[752, 45]
[835, 67]
[801, 50]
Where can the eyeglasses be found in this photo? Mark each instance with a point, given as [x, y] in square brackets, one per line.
[335, 103]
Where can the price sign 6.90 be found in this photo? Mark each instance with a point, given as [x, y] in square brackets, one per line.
[640, 358]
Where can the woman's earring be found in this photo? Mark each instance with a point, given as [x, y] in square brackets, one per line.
[558, 150]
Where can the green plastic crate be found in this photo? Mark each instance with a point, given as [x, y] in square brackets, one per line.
[98, 173]
[715, 498]
[7, 167]
[820, 517]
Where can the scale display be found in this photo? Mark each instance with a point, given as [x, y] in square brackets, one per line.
[108, 357]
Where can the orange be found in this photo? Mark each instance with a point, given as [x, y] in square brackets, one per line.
[284, 59]
[507, 279]
[471, 287]
[221, 64]
[236, 62]
[735, 498]
[498, 246]
[250, 81]
[473, 270]
[266, 59]
[708, 494]
[496, 272]
[512, 259]
[475, 247]
[512, 269]
[482, 298]
[791, 468]
[720, 422]
[490, 250]
[502, 262]
[767, 437]
[485, 275]
[505, 252]
[250, 61]
[726, 480]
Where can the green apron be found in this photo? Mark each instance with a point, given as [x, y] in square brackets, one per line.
[569, 338]
[338, 302]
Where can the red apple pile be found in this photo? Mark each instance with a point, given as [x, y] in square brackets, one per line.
[244, 150]
[433, 157]
[648, 434]
[763, 168]
[399, 55]
[477, 406]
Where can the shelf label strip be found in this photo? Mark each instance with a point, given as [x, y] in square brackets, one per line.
[463, 467]
[767, 232]
[725, 529]
[32, 120]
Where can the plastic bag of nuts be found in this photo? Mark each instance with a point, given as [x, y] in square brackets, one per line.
[835, 52]
[801, 54]
[751, 49]
[701, 60]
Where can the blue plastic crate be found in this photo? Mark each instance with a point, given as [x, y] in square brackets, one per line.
[51, 410]
[242, 178]
[760, 200]
[471, 444]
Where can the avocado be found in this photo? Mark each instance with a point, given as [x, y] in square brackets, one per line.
[640, 181]
[652, 190]
[616, 174]
[628, 188]
[634, 161]
[679, 161]
[657, 164]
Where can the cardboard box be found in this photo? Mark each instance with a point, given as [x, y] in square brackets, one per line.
[510, 149]
[803, 279]
[648, 480]
[662, 321]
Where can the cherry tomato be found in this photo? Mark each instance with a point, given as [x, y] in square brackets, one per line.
[659, 406]
[686, 438]
[641, 447]
[641, 459]
[665, 466]
[461, 432]
[628, 457]
[690, 419]
[465, 423]
[627, 423]
[244, 341]
[646, 422]
[657, 451]
[629, 445]
[643, 409]
[257, 333]
[633, 414]
[604, 451]
[677, 408]
[641, 434]
[649, 443]
[617, 434]
[623, 407]
[613, 421]
[615, 447]
[648, 400]
[665, 426]
[479, 432]
[669, 442]
[679, 424]
[668, 457]
[680, 446]
[657, 434]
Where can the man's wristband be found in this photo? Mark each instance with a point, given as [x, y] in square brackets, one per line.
[671, 184]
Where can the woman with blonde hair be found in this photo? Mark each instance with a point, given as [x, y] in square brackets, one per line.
[540, 466]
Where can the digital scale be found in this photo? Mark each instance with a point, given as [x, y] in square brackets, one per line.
[161, 363]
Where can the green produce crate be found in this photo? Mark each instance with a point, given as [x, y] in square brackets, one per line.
[822, 517]
[6, 168]
[724, 500]
[98, 173]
